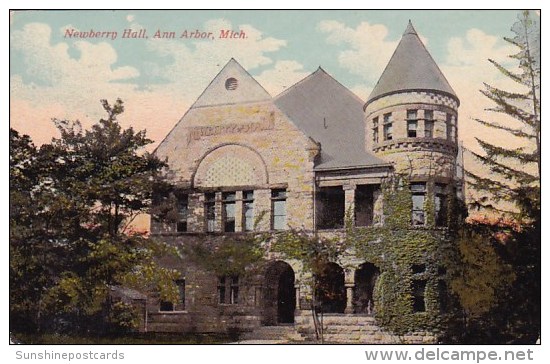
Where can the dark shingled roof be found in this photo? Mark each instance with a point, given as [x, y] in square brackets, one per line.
[332, 115]
[411, 67]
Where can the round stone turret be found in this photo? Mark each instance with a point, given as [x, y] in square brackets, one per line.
[411, 114]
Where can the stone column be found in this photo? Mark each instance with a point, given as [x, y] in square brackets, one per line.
[297, 288]
[195, 219]
[378, 208]
[349, 297]
[262, 207]
[349, 280]
[219, 212]
[349, 202]
[239, 211]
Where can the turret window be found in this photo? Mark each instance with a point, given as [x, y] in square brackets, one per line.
[375, 130]
[418, 191]
[449, 126]
[411, 128]
[440, 204]
[428, 123]
[388, 127]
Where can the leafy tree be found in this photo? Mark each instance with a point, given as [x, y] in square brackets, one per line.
[71, 241]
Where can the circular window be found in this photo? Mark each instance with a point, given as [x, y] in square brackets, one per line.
[231, 84]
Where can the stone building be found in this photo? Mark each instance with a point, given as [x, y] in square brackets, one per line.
[302, 160]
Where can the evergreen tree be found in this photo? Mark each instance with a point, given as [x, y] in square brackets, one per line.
[512, 175]
[510, 179]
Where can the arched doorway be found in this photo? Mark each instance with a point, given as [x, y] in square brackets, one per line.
[280, 294]
[365, 281]
[331, 291]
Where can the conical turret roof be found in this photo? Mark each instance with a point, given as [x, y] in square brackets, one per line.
[411, 67]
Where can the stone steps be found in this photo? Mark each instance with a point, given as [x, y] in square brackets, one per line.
[356, 329]
[273, 333]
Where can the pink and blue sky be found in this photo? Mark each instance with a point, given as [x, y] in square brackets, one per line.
[158, 79]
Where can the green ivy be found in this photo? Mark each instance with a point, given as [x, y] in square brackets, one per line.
[394, 247]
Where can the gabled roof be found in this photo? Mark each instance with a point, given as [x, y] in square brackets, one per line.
[232, 85]
[411, 67]
[332, 115]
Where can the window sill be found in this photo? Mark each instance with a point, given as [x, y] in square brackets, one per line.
[173, 312]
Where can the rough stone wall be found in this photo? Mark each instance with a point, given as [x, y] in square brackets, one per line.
[251, 146]
[203, 313]
[420, 156]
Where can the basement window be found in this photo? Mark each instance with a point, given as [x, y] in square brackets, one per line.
[228, 289]
[179, 305]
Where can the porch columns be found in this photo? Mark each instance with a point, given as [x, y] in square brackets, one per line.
[349, 282]
[297, 288]
[349, 201]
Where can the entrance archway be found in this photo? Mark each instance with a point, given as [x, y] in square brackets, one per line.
[365, 282]
[331, 291]
[280, 294]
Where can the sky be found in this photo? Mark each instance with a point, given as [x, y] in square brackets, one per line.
[53, 75]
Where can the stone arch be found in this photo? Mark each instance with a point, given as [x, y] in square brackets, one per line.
[231, 165]
[279, 298]
[365, 282]
[331, 290]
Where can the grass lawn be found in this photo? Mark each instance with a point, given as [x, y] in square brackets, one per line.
[128, 339]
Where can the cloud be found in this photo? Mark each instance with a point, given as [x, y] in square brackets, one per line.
[366, 47]
[467, 68]
[195, 63]
[282, 76]
[56, 84]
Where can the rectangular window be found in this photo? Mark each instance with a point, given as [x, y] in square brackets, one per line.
[411, 128]
[228, 290]
[228, 200]
[428, 124]
[234, 290]
[210, 211]
[429, 128]
[388, 131]
[183, 211]
[278, 209]
[418, 293]
[440, 200]
[248, 210]
[388, 128]
[375, 130]
[449, 126]
[418, 197]
[412, 115]
[179, 305]
[364, 204]
[221, 289]
[330, 206]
